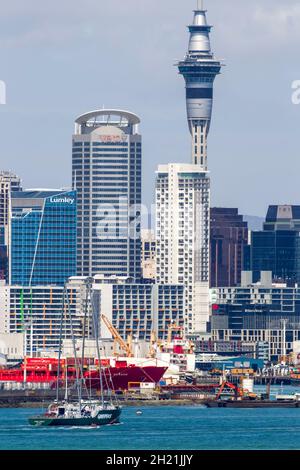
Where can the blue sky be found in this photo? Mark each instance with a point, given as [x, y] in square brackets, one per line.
[62, 58]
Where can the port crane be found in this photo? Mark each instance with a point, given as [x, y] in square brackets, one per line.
[126, 347]
[153, 342]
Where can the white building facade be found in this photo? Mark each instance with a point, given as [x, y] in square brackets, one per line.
[182, 235]
[36, 313]
[139, 309]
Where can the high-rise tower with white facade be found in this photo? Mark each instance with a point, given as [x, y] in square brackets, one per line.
[182, 231]
[107, 160]
[9, 182]
[183, 190]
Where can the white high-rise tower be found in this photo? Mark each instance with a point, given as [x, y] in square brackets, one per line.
[183, 190]
[182, 232]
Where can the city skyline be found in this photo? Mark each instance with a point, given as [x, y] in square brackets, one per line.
[250, 96]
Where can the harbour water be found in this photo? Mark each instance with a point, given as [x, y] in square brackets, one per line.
[167, 428]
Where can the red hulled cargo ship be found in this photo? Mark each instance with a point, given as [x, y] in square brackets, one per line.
[122, 374]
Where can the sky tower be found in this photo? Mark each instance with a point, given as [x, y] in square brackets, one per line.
[199, 69]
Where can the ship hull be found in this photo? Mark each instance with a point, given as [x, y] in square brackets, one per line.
[124, 378]
[103, 418]
[118, 378]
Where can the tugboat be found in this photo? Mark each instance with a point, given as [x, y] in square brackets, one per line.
[84, 412]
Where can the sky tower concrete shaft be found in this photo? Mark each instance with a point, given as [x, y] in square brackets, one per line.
[199, 69]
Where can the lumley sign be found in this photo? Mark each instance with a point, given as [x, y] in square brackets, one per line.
[62, 200]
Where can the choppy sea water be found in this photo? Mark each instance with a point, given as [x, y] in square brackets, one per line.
[165, 427]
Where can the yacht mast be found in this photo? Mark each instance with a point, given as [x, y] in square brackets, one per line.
[60, 343]
[77, 365]
[86, 311]
[96, 333]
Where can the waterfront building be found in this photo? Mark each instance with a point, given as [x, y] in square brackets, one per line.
[228, 238]
[107, 161]
[36, 313]
[148, 255]
[43, 237]
[140, 309]
[258, 313]
[8, 182]
[225, 348]
[133, 309]
[11, 348]
[183, 190]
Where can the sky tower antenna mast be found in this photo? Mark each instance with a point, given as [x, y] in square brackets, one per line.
[200, 4]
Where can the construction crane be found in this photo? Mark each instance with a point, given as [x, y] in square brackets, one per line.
[126, 347]
[153, 343]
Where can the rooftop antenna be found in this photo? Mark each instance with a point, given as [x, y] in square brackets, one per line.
[200, 4]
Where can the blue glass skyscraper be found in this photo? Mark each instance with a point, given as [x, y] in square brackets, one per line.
[43, 237]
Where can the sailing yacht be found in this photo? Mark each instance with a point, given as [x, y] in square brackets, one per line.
[85, 411]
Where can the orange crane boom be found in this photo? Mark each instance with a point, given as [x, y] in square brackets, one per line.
[117, 336]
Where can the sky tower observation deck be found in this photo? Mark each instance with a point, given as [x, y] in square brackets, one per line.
[199, 69]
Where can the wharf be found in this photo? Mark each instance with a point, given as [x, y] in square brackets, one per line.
[24, 399]
[251, 404]
[41, 398]
[23, 403]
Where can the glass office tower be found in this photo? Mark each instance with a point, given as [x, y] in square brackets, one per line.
[282, 217]
[277, 247]
[228, 237]
[43, 237]
[277, 251]
[107, 160]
